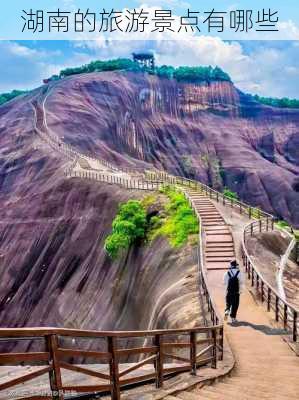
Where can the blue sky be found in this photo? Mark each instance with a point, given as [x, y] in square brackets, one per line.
[266, 67]
[269, 68]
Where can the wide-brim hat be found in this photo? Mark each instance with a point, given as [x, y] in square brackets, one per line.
[234, 264]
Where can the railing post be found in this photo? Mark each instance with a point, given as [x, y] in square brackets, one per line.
[214, 349]
[295, 326]
[262, 291]
[249, 212]
[251, 229]
[285, 316]
[159, 362]
[114, 372]
[276, 308]
[260, 223]
[269, 299]
[55, 374]
[193, 352]
[221, 343]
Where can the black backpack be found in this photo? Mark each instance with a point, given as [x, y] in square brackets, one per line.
[233, 283]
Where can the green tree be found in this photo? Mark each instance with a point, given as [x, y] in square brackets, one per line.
[4, 97]
[128, 226]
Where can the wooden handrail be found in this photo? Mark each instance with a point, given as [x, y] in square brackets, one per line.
[250, 211]
[12, 333]
[54, 357]
[282, 308]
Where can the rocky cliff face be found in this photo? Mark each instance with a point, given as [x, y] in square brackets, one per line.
[53, 267]
[54, 270]
[211, 132]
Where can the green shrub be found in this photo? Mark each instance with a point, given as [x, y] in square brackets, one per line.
[99, 66]
[230, 194]
[276, 102]
[200, 74]
[181, 74]
[128, 226]
[180, 221]
[283, 225]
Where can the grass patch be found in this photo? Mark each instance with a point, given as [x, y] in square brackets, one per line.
[179, 220]
[281, 224]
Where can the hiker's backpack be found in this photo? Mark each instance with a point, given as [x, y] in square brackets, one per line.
[233, 283]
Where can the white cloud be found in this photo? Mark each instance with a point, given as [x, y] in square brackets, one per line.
[24, 68]
[269, 68]
[266, 68]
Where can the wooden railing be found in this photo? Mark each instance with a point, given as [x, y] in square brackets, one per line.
[108, 374]
[269, 296]
[201, 350]
[126, 182]
[243, 208]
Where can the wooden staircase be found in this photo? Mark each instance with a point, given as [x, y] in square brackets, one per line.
[219, 245]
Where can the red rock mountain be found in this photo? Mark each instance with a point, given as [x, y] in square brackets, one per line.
[52, 264]
[212, 132]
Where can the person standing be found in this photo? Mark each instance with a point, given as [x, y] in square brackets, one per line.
[233, 281]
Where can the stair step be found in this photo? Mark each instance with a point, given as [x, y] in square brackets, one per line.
[220, 259]
[212, 212]
[219, 247]
[215, 220]
[211, 217]
[217, 244]
[220, 239]
[217, 266]
[216, 228]
[213, 223]
[218, 232]
[217, 250]
[219, 255]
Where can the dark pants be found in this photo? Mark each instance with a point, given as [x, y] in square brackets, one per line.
[232, 303]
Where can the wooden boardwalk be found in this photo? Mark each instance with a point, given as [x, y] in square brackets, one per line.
[266, 368]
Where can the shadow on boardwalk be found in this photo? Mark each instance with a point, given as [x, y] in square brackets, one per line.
[267, 330]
